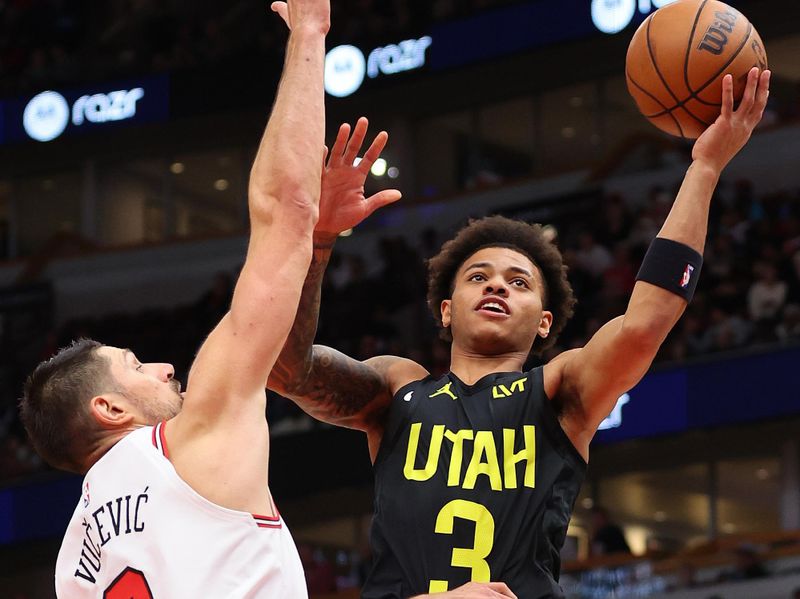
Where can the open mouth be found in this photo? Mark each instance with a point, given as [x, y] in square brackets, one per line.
[494, 306]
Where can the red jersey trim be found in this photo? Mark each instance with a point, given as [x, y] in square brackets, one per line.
[268, 521]
[162, 437]
[159, 440]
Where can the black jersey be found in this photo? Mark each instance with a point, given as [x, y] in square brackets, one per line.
[472, 483]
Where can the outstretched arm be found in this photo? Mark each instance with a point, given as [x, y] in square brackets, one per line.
[621, 352]
[232, 366]
[324, 382]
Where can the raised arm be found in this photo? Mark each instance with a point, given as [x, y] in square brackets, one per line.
[324, 382]
[226, 383]
[590, 380]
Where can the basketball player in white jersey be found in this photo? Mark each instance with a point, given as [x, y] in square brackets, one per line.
[175, 502]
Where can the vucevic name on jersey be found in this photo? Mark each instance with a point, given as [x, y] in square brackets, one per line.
[472, 482]
[139, 530]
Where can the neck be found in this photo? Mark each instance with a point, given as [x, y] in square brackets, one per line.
[101, 444]
[470, 366]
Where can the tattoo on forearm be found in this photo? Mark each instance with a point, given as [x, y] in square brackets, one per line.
[340, 387]
[294, 362]
[325, 383]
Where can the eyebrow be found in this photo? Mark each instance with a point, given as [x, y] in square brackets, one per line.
[517, 269]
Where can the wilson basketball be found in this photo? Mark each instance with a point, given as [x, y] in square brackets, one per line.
[678, 57]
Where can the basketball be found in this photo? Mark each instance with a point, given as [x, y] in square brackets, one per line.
[678, 57]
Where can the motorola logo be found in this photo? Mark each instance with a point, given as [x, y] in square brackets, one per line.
[46, 116]
[612, 16]
[345, 68]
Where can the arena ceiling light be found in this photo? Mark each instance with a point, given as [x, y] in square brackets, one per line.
[612, 16]
[379, 168]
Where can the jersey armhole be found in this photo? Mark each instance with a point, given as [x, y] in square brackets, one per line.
[554, 425]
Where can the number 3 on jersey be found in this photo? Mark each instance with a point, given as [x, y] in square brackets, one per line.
[474, 557]
[130, 584]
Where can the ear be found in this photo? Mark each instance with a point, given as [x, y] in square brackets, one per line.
[445, 307]
[545, 323]
[110, 411]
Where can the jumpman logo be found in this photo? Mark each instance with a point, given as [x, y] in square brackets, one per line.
[444, 391]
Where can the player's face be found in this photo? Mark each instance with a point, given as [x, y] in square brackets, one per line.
[497, 303]
[153, 392]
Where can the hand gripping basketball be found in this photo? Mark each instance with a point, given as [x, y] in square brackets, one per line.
[722, 140]
[678, 58]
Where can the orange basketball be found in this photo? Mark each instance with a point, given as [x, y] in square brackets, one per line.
[678, 57]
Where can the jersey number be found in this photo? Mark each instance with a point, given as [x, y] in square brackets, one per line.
[474, 557]
[130, 584]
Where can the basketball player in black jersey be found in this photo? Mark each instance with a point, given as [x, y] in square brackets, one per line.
[477, 471]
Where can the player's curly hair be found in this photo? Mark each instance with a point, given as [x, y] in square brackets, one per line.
[498, 231]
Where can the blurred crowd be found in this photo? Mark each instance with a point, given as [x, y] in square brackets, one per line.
[748, 295]
[47, 43]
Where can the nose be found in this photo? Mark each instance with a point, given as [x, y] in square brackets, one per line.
[164, 372]
[495, 286]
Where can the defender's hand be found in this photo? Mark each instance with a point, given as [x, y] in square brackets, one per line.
[721, 141]
[342, 204]
[315, 14]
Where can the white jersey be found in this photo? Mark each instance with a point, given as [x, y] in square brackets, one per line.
[141, 532]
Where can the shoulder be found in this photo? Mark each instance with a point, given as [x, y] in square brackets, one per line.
[396, 371]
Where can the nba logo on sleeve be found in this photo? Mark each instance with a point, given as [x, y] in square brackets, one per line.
[687, 276]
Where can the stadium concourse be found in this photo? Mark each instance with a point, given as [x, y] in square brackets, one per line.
[121, 228]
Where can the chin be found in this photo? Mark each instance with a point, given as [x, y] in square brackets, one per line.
[492, 342]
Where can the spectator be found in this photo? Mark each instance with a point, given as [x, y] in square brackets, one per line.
[591, 256]
[607, 537]
[320, 573]
[789, 327]
[727, 330]
[748, 564]
[213, 305]
[615, 224]
[767, 294]
[620, 277]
